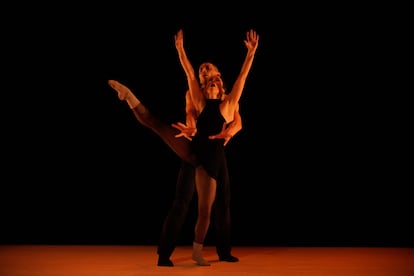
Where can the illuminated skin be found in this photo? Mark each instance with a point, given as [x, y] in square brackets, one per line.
[185, 182]
[206, 71]
[186, 178]
[206, 184]
[187, 130]
[181, 146]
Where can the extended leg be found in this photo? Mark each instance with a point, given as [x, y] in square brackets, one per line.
[181, 146]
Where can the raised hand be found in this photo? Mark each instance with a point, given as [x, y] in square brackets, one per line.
[252, 40]
[179, 40]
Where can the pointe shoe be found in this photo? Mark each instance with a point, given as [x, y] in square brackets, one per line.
[200, 260]
[197, 257]
[122, 90]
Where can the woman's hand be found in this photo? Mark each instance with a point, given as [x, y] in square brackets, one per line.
[252, 40]
[179, 40]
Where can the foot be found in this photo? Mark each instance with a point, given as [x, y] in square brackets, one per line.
[164, 261]
[228, 258]
[122, 90]
[200, 260]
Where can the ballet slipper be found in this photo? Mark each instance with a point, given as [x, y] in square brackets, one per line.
[122, 90]
[197, 257]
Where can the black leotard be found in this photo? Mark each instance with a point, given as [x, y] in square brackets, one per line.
[210, 152]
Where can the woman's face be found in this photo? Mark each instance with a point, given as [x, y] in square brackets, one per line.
[214, 88]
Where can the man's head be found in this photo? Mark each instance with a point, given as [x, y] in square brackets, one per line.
[206, 71]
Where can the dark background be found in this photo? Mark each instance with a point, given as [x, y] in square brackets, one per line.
[320, 159]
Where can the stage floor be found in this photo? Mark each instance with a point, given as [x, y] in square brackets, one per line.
[126, 260]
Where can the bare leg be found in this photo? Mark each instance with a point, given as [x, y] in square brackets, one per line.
[206, 190]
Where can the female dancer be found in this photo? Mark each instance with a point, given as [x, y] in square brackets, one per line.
[183, 149]
[212, 110]
[186, 178]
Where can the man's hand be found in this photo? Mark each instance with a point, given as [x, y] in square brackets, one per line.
[187, 132]
[224, 134]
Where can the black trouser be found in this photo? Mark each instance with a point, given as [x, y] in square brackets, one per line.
[177, 214]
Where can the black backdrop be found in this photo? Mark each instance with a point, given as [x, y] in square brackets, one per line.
[318, 161]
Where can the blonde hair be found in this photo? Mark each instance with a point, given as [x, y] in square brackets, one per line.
[208, 63]
[222, 93]
[205, 64]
